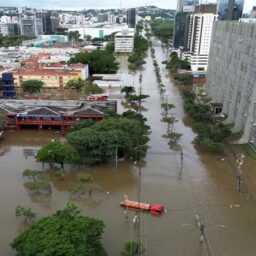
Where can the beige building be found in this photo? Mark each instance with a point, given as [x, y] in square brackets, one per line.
[53, 76]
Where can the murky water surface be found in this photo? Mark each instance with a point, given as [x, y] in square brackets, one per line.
[205, 185]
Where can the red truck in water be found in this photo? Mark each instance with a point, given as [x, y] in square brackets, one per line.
[97, 97]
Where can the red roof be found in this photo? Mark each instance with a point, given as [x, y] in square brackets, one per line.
[78, 65]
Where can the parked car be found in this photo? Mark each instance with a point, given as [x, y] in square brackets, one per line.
[97, 97]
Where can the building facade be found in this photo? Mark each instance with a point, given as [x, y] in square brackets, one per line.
[231, 75]
[52, 75]
[230, 9]
[31, 26]
[184, 3]
[180, 29]
[61, 114]
[10, 29]
[131, 17]
[124, 42]
[50, 21]
[197, 40]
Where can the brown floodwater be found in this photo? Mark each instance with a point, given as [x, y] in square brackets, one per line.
[205, 185]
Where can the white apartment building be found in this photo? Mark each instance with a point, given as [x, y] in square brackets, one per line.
[124, 42]
[198, 38]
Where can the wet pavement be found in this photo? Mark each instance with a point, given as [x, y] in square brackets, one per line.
[205, 185]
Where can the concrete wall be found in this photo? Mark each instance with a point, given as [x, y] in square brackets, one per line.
[232, 75]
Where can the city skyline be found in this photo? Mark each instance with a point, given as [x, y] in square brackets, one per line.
[106, 4]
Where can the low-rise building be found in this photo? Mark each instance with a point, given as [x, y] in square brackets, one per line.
[52, 113]
[54, 75]
[99, 31]
[124, 42]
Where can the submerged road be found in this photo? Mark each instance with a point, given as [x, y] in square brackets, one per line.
[205, 185]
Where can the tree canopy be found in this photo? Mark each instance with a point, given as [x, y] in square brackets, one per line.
[140, 47]
[176, 63]
[132, 248]
[211, 135]
[128, 90]
[99, 61]
[57, 152]
[26, 212]
[110, 47]
[163, 29]
[65, 233]
[6, 41]
[32, 85]
[97, 143]
[76, 83]
[32, 174]
[92, 89]
[185, 79]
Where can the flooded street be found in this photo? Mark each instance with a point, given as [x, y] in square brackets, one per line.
[204, 185]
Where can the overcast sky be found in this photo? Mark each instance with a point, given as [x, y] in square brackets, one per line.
[101, 4]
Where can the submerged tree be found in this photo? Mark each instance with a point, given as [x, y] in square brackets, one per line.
[25, 212]
[132, 248]
[101, 142]
[32, 174]
[92, 89]
[32, 85]
[76, 83]
[64, 233]
[38, 186]
[167, 107]
[128, 90]
[57, 152]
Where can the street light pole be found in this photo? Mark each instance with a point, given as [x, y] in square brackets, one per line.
[240, 161]
[116, 156]
[201, 225]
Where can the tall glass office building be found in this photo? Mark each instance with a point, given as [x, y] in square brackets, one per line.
[182, 3]
[230, 9]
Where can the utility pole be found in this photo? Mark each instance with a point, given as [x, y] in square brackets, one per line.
[201, 225]
[181, 161]
[138, 215]
[116, 155]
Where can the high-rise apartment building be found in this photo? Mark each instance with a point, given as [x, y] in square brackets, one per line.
[184, 3]
[131, 17]
[230, 9]
[231, 75]
[197, 39]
